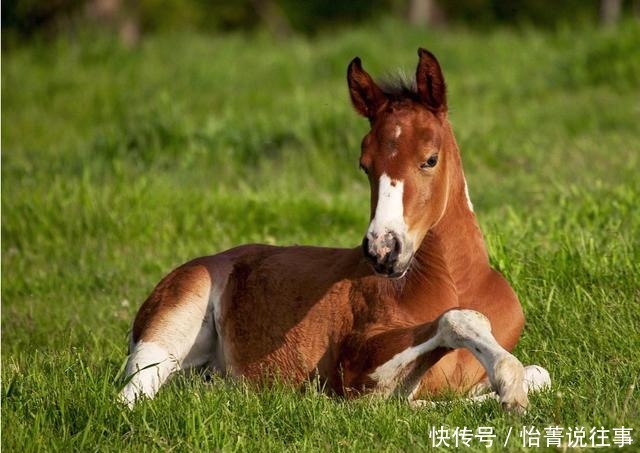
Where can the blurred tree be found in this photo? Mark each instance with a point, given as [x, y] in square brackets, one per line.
[29, 16]
[610, 11]
[118, 16]
[425, 12]
[311, 16]
[544, 13]
[273, 17]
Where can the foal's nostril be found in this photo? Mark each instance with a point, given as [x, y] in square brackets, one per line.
[367, 251]
[396, 247]
[382, 251]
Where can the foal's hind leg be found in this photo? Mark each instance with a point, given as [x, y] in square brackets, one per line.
[174, 330]
[467, 329]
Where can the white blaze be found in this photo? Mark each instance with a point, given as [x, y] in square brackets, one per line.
[390, 210]
[398, 132]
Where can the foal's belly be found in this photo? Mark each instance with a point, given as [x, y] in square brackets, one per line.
[292, 344]
[283, 314]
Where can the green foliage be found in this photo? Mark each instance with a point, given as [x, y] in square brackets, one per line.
[26, 19]
[118, 165]
[612, 60]
[205, 15]
[521, 12]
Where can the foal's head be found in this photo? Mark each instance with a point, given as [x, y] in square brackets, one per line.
[405, 158]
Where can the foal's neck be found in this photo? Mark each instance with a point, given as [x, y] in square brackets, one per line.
[452, 258]
[458, 240]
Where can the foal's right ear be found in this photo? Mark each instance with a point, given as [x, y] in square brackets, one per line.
[366, 96]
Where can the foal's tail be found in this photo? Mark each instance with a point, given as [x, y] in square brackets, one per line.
[175, 328]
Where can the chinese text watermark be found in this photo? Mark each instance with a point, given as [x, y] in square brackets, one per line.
[532, 436]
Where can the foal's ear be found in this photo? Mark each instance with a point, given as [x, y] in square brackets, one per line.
[366, 96]
[430, 82]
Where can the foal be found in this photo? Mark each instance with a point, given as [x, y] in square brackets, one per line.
[416, 310]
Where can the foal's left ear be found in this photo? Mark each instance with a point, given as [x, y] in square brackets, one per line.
[430, 82]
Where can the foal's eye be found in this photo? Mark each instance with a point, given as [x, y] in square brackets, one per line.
[364, 169]
[430, 162]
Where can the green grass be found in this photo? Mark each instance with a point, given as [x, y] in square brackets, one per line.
[118, 165]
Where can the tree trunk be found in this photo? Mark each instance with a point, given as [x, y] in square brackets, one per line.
[273, 17]
[610, 12]
[424, 13]
[118, 17]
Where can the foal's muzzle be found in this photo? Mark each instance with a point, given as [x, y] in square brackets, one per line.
[383, 252]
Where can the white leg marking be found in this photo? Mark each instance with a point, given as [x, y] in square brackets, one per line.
[472, 330]
[466, 194]
[482, 387]
[149, 365]
[388, 374]
[536, 378]
[201, 351]
[206, 347]
[216, 304]
[189, 338]
[463, 329]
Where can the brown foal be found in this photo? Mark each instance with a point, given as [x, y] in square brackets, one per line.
[416, 310]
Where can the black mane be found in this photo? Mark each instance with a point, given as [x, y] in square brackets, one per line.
[399, 88]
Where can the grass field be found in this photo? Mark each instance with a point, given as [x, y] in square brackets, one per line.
[118, 165]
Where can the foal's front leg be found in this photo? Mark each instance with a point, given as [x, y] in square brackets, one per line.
[459, 329]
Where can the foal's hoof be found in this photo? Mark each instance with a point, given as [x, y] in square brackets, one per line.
[508, 375]
[516, 405]
[536, 378]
